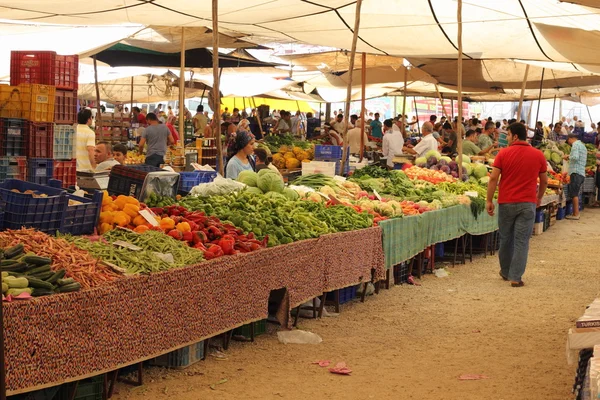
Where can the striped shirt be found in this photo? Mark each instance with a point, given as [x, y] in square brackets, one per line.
[577, 159]
[85, 137]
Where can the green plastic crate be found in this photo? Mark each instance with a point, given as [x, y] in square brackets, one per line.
[87, 389]
[260, 327]
[181, 358]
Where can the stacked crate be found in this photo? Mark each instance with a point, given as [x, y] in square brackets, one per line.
[332, 154]
[43, 94]
[113, 128]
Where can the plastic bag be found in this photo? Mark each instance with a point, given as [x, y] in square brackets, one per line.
[219, 186]
[298, 337]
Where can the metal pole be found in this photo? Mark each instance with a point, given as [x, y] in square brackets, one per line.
[537, 114]
[441, 101]
[216, 92]
[452, 106]
[417, 114]
[349, 91]
[523, 85]
[363, 114]
[589, 114]
[131, 105]
[553, 106]
[404, 101]
[182, 88]
[98, 109]
[459, 127]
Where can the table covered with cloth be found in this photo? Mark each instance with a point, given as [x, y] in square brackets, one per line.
[404, 238]
[61, 338]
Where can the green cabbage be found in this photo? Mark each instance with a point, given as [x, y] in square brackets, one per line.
[480, 171]
[467, 169]
[254, 190]
[269, 181]
[548, 155]
[291, 194]
[249, 178]
[556, 158]
[433, 153]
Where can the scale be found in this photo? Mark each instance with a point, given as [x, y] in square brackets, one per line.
[93, 180]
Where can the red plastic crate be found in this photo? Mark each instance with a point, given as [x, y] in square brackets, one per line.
[65, 107]
[39, 140]
[66, 72]
[66, 171]
[32, 67]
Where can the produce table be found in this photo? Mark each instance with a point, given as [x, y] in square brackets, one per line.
[552, 198]
[406, 237]
[61, 338]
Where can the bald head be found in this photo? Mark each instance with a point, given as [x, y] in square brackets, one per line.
[427, 128]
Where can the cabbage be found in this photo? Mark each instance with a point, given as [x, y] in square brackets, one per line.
[248, 177]
[465, 159]
[556, 158]
[290, 194]
[480, 171]
[433, 153]
[442, 162]
[431, 161]
[422, 165]
[421, 160]
[269, 181]
[547, 154]
[467, 168]
[485, 180]
[254, 190]
[445, 158]
[445, 168]
[453, 166]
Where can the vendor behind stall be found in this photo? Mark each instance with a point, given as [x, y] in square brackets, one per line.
[158, 137]
[120, 153]
[103, 155]
[240, 160]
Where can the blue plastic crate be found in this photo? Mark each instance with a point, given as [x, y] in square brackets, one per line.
[569, 209]
[81, 219]
[190, 179]
[181, 358]
[539, 216]
[23, 210]
[86, 389]
[346, 167]
[561, 213]
[439, 250]
[40, 170]
[329, 153]
[346, 294]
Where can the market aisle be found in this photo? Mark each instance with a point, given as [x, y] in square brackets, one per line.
[413, 342]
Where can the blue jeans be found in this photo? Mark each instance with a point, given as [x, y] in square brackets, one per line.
[515, 223]
[155, 160]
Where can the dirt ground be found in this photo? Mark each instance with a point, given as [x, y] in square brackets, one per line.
[413, 342]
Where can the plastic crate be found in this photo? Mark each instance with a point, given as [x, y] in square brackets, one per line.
[13, 133]
[181, 358]
[129, 180]
[65, 171]
[87, 389]
[329, 153]
[38, 102]
[589, 184]
[561, 213]
[65, 107]
[66, 72]
[39, 140]
[346, 168]
[190, 179]
[13, 168]
[81, 219]
[401, 273]
[11, 104]
[23, 210]
[64, 142]
[346, 294]
[260, 327]
[32, 67]
[589, 137]
[40, 170]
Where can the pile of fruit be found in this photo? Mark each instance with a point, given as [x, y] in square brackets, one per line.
[292, 157]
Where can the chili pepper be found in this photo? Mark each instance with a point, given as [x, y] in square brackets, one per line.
[200, 246]
[216, 250]
[242, 247]
[174, 233]
[255, 246]
[157, 210]
[199, 237]
[227, 243]
[250, 235]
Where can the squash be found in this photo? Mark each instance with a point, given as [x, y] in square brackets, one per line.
[106, 217]
[139, 221]
[141, 228]
[121, 219]
[131, 209]
[291, 163]
[104, 228]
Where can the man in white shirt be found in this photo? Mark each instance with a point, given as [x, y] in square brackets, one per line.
[428, 142]
[393, 142]
[338, 124]
[354, 138]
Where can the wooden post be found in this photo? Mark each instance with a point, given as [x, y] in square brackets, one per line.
[589, 114]
[349, 91]
[459, 126]
[452, 107]
[417, 114]
[98, 109]
[363, 114]
[216, 93]
[523, 85]
[182, 89]
[537, 114]
[553, 107]
[441, 101]
[131, 105]
[404, 101]
[258, 118]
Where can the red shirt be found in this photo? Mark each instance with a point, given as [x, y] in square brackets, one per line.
[520, 164]
[173, 132]
[141, 119]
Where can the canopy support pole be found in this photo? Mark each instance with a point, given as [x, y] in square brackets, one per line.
[459, 126]
[417, 114]
[363, 114]
[216, 91]
[537, 114]
[131, 105]
[523, 85]
[452, 108]
[589, 114]
[98, 109]
[182, 88]
[258, 118]
[553, 107]
[441, 101]
[349, 91]
[404, 101]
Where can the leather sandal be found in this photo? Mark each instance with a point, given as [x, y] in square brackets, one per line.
[517, 284]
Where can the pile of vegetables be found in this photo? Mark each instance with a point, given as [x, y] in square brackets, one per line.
[122, 211]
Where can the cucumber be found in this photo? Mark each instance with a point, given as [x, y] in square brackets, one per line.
[66, 281]
[14, 251]
[38, 283]
[37, 292]
[36, 260]
[72, 287]
[38, 270]
[42, 275]
[56, 276]
[17, 267]
[7, 263]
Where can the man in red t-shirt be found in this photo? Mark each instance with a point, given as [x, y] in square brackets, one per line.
[520, 165]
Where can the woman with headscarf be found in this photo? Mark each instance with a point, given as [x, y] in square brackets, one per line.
[238, 156]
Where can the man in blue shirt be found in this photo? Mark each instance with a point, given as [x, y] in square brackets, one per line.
[376, 127]
[577, 160]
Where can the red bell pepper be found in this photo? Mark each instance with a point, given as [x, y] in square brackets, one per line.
[174, 233]
[188, 236]
[199, 237]
[227, 243]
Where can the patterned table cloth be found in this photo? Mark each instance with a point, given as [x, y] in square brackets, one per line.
[61, 338]
[403, 238]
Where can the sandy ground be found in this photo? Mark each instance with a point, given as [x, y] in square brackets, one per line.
[413, 342]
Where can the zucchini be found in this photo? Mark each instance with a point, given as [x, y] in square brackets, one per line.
[36, 260]
[72, 287]
[14, 251]
[7, 263]
[38, 270]
[37, 292]
[18, 283]
[42, 275]
[56, 276]
[38, 283]
[66, 281]
[18, 291]
[17, 267]
[4, 274]
[4, 287]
